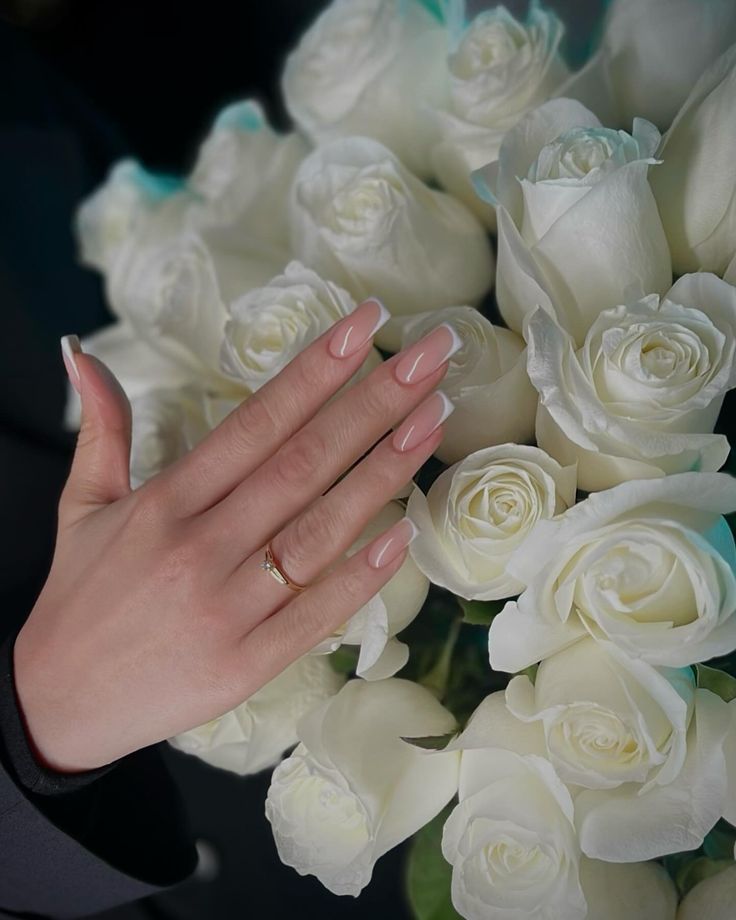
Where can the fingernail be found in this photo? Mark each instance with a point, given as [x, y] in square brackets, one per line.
[420, 424]
[388, 546]
[355, 330]
[70, 348]
[425, 356]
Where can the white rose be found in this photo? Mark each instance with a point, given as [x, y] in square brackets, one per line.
[511, 841]
[729, 812]
[499, 70]
[694, 186]
[642, 395]
[353, 789]
[362, 220]
[174, 294]
[256, 733]
[137, 366]
[657, 49]
[730, 274]
[486, 381]
[168, 423]
[369, 67]
[643, 746]
[480, 511]
[648, 565]
[578, 226]
[627, 891]
[374, 627]
[633, 891]
[711, 899]
[242, 177]
[269, 326]
[130, 203]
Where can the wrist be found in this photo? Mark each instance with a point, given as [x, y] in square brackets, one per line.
[35, 713]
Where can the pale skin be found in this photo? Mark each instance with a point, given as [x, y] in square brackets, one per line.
[156, 616]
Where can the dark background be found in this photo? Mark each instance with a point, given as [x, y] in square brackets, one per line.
[81, 85]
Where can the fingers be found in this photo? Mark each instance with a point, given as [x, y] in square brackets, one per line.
[304, 467]
[263, 422]
[317, 612]
[314, 540]
[100, 469]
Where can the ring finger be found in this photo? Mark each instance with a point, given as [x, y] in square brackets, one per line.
[315, 539]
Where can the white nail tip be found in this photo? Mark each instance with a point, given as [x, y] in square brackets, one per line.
[449, 406]
[457, 342]
[70, 348]
[414, 529]
[383, 316]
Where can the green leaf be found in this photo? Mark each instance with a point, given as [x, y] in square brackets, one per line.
[697, 870]
[719, 843]
[717, 682]
[428, 875]
[480, 613]
[344, 660]
[432, 742]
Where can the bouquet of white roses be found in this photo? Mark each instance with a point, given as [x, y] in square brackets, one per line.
[527, 697]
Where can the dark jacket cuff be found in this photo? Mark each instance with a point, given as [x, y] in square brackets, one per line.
[75, 844]
[16, 749]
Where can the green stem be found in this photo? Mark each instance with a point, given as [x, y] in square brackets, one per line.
[435, 680]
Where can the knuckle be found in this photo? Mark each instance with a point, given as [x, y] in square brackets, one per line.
[307, 367]
[185, 566]
[179, 561]
[255, 420]
[376, 399]
[308, 539]
[351, 590]
[299, 458]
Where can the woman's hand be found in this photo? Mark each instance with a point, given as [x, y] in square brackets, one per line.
[156, 615]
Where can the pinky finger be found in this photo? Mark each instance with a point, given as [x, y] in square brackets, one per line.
[323, 607]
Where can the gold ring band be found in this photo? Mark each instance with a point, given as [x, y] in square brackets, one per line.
[271, 565]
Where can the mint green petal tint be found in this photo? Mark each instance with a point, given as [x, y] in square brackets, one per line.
[482, 189]
[241, 116]
[449, 12]
[722, 541]
[155, 186]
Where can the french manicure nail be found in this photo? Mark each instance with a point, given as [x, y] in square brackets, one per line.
[388, 546]
[357, 328]
[425, 356]
[420, 424]
[70, 348]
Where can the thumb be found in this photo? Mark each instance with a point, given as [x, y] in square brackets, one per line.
[100, 469]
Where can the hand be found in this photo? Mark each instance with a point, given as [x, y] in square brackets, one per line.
[156, 615]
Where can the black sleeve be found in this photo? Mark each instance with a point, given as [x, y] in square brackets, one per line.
[75, 844]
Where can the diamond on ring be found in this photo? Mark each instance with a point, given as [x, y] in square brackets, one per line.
[268, 566]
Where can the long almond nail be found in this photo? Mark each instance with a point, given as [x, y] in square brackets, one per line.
[425, 356]
[420, 424]
[70, 348]
[387, 547]
[357, 328]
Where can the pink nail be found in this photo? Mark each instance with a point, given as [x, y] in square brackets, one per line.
[70, 348]
[425, 356]
[420, 424]
[387, 547]
[355, 330]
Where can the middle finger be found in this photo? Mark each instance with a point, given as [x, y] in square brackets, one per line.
[309, 462]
